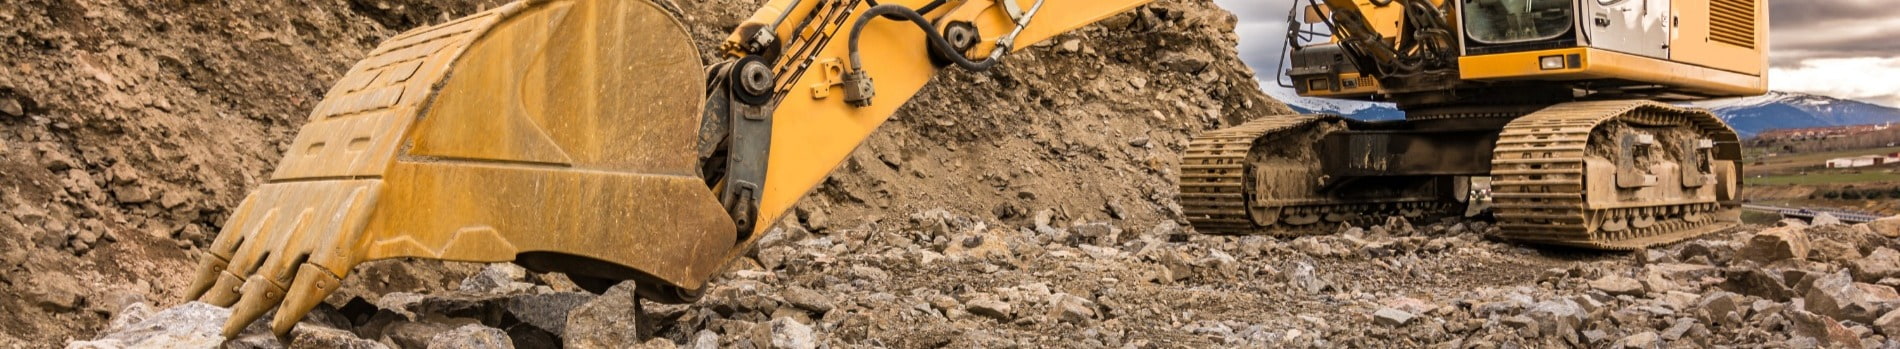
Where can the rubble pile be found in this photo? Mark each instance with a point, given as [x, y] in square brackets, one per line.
[944, 278]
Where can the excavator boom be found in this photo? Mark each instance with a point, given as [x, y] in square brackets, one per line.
[585, 137]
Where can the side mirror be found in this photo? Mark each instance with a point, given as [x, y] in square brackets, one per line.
[1315, 14]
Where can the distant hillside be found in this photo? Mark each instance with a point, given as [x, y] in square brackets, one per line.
[1749, 116]
[1367, 111]
[1778, 110]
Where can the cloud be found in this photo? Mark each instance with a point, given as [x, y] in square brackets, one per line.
[1864, 78]
[1262, 32]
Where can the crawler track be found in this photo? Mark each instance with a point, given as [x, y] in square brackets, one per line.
[1222, 190]
[1544, 192]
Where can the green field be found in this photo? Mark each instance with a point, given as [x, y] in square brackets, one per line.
[1826, 178]
[1791, 162]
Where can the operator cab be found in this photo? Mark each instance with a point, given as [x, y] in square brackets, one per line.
[1653, 49]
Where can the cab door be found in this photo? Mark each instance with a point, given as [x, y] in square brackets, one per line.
[1639, 27]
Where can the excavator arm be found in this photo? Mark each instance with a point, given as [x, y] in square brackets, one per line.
[585, 137]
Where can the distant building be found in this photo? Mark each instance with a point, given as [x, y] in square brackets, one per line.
[1864, 161]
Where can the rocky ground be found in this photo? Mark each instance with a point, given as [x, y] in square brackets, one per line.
[1031, 205]
[939, 278]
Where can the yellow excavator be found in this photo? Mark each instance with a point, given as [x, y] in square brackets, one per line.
[586, 137]
[1558, 103]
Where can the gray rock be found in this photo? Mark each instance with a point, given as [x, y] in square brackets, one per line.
[1823, 329]
[816, 219]
[130, 315]
[11, 107]
[1825, 219]
[547, 311]
[1064, 307]
[612, 320]
[497, 278]
[1680, 329]
[656, 343]
[1304, 277]
[1595, 337]
[805, 298]
[1558, 317]
[1641, 340]
[1883, 263]
[791, 334]
[1096, 233]
[871, 273]
[1617, 285]
[192, 325]
[1775, 244]
[1043, 220]
[1391, 317]
[990, 307]
[1653, 256]
[57, 292]
[330, 338]
[705, 339]
[1190, 62]
[472, 336]
[1717, 307]
[409, 334]
[1071, 45]
[1837, 295]
[1757, 282]
[1889, 324]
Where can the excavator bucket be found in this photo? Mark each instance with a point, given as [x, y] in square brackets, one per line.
[557, 134]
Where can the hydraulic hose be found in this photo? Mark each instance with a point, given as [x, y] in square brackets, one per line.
[938, 44]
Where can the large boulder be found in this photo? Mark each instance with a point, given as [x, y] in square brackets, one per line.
[1888, 227]
[1838, 296]
[193, 325]
[1775, 244]
[1883, 263]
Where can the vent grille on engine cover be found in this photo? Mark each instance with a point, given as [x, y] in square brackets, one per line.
[1733, 22]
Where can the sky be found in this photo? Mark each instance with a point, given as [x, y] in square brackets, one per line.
[1835, 48]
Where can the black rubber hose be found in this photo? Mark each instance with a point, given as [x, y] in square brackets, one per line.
[932, 6]
[937, 43]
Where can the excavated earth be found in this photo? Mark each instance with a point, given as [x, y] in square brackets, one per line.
[1027, 206]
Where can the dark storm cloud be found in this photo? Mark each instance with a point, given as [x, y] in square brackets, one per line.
[1262, 32]
[1809, 29]
[1809, 12]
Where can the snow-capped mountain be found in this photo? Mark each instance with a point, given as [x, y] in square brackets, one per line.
[1368, 111]
[1749, 115]
[1777, 110]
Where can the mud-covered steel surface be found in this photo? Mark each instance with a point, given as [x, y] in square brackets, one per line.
[491, 138]
[1555, 177]
[1264, 177]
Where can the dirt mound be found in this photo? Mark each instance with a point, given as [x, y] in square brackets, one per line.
[129, 129]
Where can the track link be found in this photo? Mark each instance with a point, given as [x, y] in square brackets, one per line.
[1541, 181]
